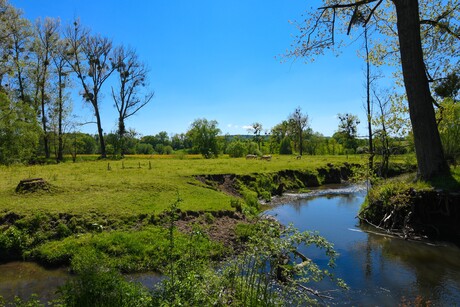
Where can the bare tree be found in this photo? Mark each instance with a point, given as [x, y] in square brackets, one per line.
[256, 129]
[132, 81]
[47, 36]
[89, 56]
[299, 122]
[62, 70]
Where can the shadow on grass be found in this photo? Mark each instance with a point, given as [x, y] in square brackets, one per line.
[449, 183]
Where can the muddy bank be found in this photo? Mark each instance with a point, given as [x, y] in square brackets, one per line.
[420, 215]
[267, 185]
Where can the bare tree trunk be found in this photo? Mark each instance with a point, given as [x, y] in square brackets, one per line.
[368, 101]
[428, 148]
[121, 135]
[99, 130]
[60, 153]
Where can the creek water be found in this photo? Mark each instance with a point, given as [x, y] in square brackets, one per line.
[380, 270]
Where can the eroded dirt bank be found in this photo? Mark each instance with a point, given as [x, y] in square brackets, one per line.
[420, 215]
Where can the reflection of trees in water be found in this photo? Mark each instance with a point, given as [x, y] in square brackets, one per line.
[436, 268]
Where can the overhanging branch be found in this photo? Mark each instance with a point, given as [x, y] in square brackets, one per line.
[347, 5]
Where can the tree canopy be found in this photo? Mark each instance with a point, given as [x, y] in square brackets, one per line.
[422, 37]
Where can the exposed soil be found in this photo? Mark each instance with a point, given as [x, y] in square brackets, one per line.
[225, 183]
[218, 228]
[432, 215]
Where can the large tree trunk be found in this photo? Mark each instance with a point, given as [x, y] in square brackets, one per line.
[121, 134]
[428, 148]
[99, 130]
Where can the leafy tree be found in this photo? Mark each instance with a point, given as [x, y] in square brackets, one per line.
[403, 18]
[132, 79]
[348, 129]
[90, 58]
[236, 148]
[16, 42]
[313, 141]
[278, 133]
[18, 137]
[299, 123]
[178, 141]
[256, 129]
[285, 146]
[80, 143]
[203, 134]
[144, 148]
[449, 87]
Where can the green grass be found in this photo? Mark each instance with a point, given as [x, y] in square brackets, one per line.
[128, 251]
[85, 187]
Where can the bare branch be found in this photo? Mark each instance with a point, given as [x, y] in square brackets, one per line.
[348, 5]
[440, 25]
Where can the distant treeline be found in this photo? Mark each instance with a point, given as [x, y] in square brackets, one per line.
[233, 145]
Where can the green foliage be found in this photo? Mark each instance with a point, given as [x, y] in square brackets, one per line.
[347, 132]
[253, 149]
[19, 131]
[265, 274]
[97, 284]
[13, 243]
[128, 251]
[237, 149]
[391, 193]
[285, 146]
[244, 231]
[203, 134]
[449, 129]
[143, 148]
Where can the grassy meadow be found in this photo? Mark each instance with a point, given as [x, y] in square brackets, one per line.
[137, 184]
[114, 207]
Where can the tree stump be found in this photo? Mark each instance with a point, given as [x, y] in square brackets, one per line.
[32, 185]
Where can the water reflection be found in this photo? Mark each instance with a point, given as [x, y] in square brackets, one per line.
[22, 279]
[380, 270]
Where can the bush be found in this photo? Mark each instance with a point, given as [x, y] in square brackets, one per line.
[236, 149]
[97, 284]
[143, 148]
[13, 242]
[285, 146]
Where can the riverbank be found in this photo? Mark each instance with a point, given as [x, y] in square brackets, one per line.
[416, 210]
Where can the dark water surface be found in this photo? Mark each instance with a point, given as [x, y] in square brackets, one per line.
[24, 278]
[380, 270]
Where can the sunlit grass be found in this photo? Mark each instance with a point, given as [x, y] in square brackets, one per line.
[137, 184]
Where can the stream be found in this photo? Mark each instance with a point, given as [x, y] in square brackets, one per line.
[380, 270]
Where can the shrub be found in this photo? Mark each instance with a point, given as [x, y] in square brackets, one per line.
[236, 149]
[13, 242]
[97, 284]
[285, 146]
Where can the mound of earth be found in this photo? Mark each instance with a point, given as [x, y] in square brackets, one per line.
[33, 185]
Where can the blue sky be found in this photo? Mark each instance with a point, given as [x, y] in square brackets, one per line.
[218, 60]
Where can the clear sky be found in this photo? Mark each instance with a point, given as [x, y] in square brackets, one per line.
[218, 60]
